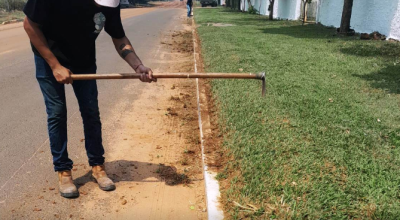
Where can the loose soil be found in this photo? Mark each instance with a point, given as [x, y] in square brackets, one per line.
[153, 156]
[156, 157]
[215, 153]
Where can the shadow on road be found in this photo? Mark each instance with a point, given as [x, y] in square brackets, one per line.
[135, 171]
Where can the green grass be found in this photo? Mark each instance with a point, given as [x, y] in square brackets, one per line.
[7, 16]
[325, 141]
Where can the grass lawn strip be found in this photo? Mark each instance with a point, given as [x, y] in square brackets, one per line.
[325, 142]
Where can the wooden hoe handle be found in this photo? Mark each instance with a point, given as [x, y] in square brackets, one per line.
[260, 76]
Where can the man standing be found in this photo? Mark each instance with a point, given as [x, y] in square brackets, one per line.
[189, 4]
[62, 35]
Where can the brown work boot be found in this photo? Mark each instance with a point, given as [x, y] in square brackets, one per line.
[67, 187]
[100, 175]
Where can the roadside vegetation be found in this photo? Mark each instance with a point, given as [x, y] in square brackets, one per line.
[11, 10]
[325, 141]
[8, 16]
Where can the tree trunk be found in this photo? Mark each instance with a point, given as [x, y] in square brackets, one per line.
[305, 12]
[271, 11]
[8, 7]
[346, 16]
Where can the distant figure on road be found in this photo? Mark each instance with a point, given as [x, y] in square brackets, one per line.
[63, 35]
[189, 5]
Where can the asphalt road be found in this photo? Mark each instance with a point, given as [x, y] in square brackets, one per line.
[25, 160]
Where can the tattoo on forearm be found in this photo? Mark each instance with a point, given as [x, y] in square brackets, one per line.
[122, 46]
[125, 52]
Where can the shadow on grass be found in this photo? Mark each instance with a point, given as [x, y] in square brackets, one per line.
[135, 171]
[373, 49]
[387, 79]
[278, 27]
[231, 16]
[311, 31]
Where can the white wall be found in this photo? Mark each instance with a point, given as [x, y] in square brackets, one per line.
[367, 16]
[288, 9]
[275, 8]
[395, 26]
[261, 6]
[283, 9]
[243, 5]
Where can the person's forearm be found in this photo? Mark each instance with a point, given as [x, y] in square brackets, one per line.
[38, 40]
[126, 51]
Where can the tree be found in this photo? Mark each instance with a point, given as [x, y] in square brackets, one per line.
[10, 5]
[271, 9]
[233, 4]
[346, 16]
[304, 3]
[251, 8]
[6, 5]
[228, 3]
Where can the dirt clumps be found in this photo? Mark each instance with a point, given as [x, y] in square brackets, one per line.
[372, 36]
[171, 177]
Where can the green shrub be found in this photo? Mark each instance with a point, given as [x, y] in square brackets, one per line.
[252, 10]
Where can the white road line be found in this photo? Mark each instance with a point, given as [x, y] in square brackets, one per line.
[211, 184]
[7, 51]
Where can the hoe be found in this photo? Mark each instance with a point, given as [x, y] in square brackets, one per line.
[259, 76]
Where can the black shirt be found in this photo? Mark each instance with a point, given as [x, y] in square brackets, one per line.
[189, 2]
[72, 26]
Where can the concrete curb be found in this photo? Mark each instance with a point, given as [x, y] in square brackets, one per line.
[212, 192]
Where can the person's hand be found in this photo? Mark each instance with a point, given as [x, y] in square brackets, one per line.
[146, 74]
[62, 74]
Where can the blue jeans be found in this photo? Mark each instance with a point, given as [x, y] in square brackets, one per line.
[189, 9]
[54, 98]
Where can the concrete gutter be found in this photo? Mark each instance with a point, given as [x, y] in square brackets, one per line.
[212, 192]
